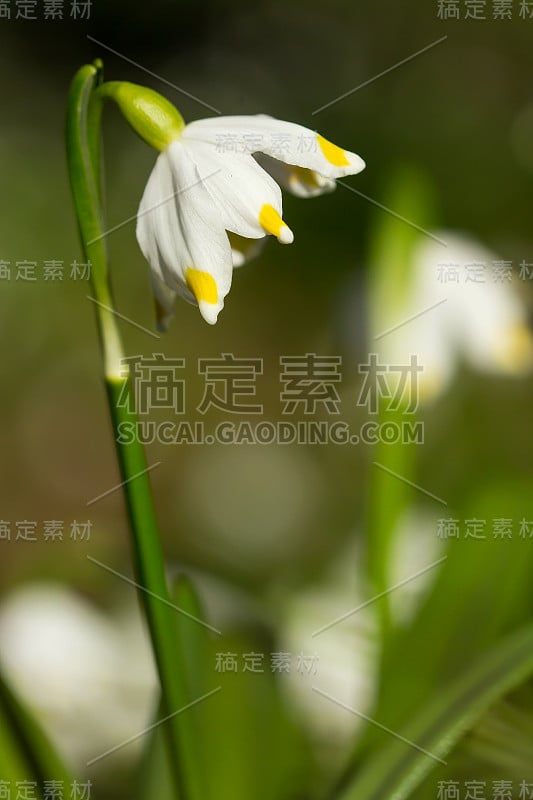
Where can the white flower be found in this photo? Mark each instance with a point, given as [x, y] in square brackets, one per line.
[90, 679]
[219, 179]
[340, 651]
[456, 307]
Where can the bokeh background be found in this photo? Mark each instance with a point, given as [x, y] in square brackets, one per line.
[275, 537]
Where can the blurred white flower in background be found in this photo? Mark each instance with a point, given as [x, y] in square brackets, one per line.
[90, 678]
[340, 660]
[346, 647]
[415, 547]
[458, 305]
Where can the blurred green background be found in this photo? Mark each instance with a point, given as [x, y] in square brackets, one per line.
[268, 531]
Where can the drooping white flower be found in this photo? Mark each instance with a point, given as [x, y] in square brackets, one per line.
[456, 307]
[214, 193]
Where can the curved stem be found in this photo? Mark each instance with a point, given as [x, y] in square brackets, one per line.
[83, 145]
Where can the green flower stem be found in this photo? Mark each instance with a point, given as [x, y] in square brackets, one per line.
[388, 498]
[391, 254]
[150, 573]
[25, 751]
[13, 766]
[83, 145]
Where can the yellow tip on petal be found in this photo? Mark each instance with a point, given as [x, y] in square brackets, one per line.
[202, 285]
[335, 155]
[270, 220]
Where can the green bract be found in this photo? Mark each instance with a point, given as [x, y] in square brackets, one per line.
[150, 114]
